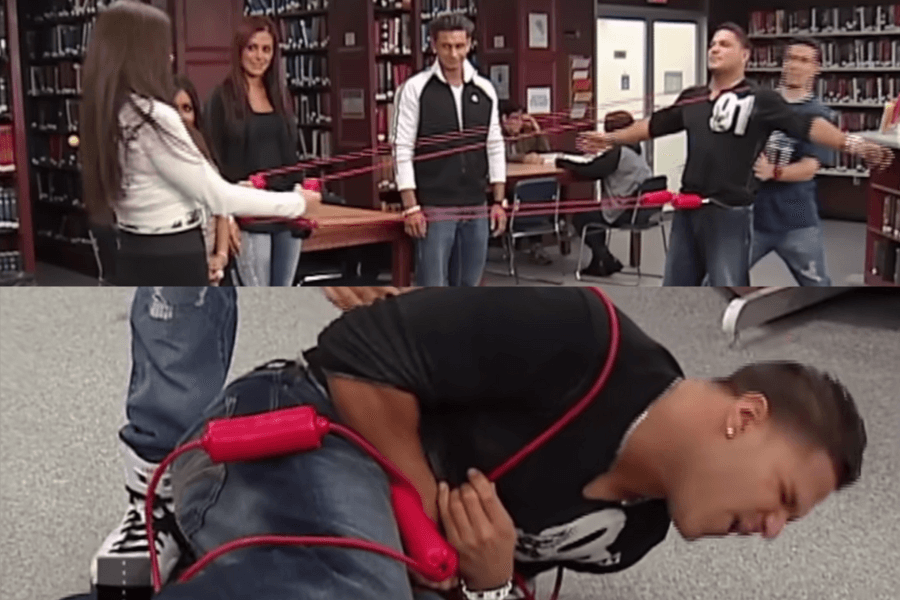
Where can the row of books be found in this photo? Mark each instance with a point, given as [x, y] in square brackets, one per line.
[5, 104]
[59, 41]
[859, 120]
[61, 78]
[304, 70]
[400, 4]
[308, 33]
[890, 216]
[852, 54]
[57, 187]
[394, 35]
[312, 108]
[61, 117]
[275, 8]
[9, 207]
[432, 8]
[315, 143]
[64, 9]
[876, 90]
[821, 20]
[54, 151]
[384, 118]
[11, 262]
[389, 77]
[887, 261]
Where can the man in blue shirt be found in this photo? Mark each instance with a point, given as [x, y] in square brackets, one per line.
[786, 213]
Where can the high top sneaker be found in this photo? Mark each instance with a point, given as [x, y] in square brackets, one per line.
[123, 560]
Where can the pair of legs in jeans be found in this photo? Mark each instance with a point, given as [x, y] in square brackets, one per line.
[268, 259]
[802, 250]
[337, 490]
[711, 243]
[453, 252]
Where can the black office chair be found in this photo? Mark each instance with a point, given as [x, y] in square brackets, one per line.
[543, 191]
[635, 220]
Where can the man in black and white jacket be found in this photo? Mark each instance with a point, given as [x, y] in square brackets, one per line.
[450, 101]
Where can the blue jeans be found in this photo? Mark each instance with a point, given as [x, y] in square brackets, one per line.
[181, 346]
[268, 259]
[337, 490]
[802, 250]
[452, 252]
[710, 242]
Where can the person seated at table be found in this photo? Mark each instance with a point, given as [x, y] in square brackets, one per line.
[525, 140]
[622, 170]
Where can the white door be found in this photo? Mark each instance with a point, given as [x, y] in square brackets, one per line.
[675, 69]
[621, 67]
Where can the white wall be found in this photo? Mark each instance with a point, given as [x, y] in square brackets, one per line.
[630, 36]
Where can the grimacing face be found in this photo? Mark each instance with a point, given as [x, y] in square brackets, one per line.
[452, 48]
[257, 55]
[185, 108]
[755, 483]
[512, 124]
[726, 52]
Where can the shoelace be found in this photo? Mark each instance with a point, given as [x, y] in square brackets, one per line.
[134, 530]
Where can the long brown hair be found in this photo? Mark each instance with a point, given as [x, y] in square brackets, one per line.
[184, 84]
[234, 88]
[129, 53]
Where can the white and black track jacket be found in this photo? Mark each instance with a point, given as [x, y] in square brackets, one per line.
[427, 106]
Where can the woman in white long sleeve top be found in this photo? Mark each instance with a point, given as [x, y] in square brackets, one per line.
[143, 168]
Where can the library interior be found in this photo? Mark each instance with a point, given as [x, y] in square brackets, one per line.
[357, 77]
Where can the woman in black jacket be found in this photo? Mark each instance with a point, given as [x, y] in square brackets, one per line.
[251, 129]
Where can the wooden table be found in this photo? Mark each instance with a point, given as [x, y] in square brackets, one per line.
[516, 172]
[345, 227]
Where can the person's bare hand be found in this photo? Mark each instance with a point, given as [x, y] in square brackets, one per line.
[216, 266]
[348, 298]
[876, 156]
[498, 220]
[313, 200]
[415, 225]
[480, 529]
[764, 169]
[594, 142]
[532, 158]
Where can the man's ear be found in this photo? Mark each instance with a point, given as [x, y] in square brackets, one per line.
[750, 410]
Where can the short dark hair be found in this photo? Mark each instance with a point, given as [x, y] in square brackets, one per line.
[618, 119]
[738, 32]
[451, 22]
[801, 40]
[812, 404]
[510, 107]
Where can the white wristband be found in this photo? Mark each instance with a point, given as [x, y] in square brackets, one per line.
[499, 593]
[412, 210]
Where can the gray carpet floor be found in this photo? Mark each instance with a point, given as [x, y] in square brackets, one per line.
[64, 365]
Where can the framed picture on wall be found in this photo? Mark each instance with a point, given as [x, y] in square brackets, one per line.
[538, 30]
[500, 79]
[538, 100]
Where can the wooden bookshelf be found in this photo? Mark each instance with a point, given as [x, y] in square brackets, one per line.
[17, 256]
[883, 228]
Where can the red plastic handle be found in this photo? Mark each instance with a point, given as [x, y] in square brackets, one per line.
[258, 181]
[312, 184]
[656, 198]
[421, 539]
[266, 435]
[687, 202]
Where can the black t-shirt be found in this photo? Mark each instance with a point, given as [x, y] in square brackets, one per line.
[494, 368]
[726, 136]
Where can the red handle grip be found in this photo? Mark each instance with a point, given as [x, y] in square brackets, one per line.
[265, 435]
[421, 538]
[687, 202]
[656, 198]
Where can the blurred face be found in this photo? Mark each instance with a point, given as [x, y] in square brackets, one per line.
[754, 483]
[726, 54]
[452, 48]
[512, 124]
[185, 108]
[257, 56]
[801, 65]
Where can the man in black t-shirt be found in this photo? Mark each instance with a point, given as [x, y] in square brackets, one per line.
[727, 124]
[442, 381]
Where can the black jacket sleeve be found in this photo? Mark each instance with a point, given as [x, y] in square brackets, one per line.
[778, 115]
[601, 167]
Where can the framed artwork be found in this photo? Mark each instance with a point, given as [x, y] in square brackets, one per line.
[538, 30]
